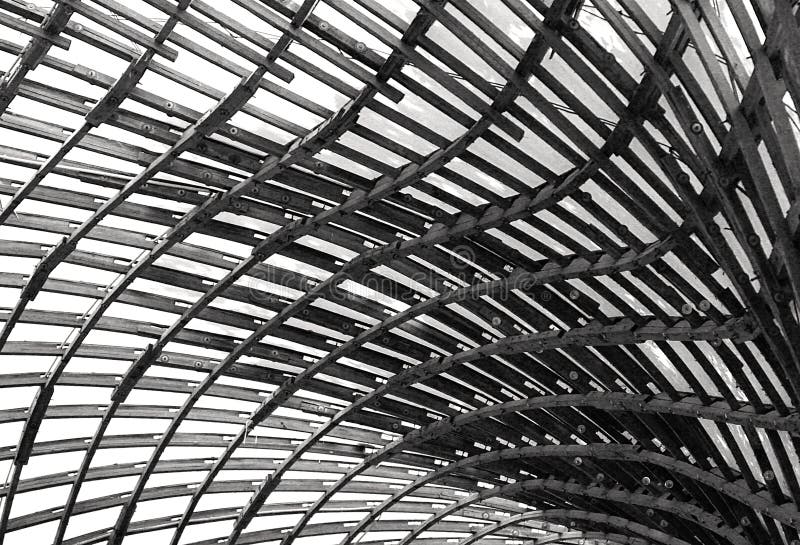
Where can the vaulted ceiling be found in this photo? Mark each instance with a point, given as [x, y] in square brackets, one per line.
[430, 271]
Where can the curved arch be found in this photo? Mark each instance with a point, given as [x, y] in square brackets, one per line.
[601, 451]
[56, 22]
[689, 512]
[602, 400]
[652, 535]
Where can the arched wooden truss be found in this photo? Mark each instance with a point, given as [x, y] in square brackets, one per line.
[429, 271]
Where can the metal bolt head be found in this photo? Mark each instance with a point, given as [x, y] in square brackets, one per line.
[574, 294]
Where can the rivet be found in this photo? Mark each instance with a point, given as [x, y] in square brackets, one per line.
[574, 294]
[696, 127]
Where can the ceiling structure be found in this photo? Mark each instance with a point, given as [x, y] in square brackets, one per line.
[407, 271]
